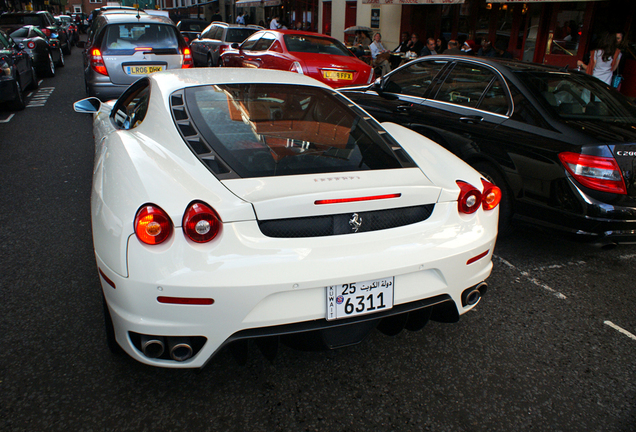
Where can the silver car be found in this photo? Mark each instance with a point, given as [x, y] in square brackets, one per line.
[127, 46]
[216, 38]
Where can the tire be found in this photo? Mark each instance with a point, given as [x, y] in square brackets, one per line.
[50, 68]
[113, 346]
[67, 50]
[493, 175]
[34, 80]
[60, 62]
[18, 104]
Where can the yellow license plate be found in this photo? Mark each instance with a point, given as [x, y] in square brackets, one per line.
[337, 75]
[142, 70]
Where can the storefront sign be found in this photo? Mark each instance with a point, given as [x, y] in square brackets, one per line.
[375, 18]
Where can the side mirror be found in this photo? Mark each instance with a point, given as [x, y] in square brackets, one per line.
[235, 45]
[377, 85]
[199, 36]
[89, 105]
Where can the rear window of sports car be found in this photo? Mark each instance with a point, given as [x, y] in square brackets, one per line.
[259, 130]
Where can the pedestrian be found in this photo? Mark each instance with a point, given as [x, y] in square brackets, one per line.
[501, 51]
[273, 24]
[415, 45]
[486, 49]
[603, 60]
[441, 45]
[240, 19]
[429, 49]
[217, 16]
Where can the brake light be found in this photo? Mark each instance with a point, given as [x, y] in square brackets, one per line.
[469, 198]
[201, 223]
[152, 224]
[187, 59]
[223, 48]
[595, 172]
[491, 196]
[31, 45]
[186, 39]
[357, 199]
[97, 62]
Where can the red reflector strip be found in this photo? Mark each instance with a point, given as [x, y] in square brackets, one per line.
[346, 200]
[185, 300]
[108, 281]
[477, 258]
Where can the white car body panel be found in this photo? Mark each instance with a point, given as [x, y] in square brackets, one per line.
[258, 281]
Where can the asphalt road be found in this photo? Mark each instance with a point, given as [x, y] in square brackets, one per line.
[551, 347]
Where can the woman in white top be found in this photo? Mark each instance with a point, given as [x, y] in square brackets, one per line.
[604, 60]
[376, 49]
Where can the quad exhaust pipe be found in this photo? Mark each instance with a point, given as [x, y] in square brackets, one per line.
[472, 295]
[179, 348]
[152, 346]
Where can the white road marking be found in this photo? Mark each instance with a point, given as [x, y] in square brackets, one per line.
[533, 280]
[621, 330]
[8, 119]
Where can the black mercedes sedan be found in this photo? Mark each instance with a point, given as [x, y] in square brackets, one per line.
[560, 144]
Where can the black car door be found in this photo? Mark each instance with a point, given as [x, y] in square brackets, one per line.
[464, 111]
[399, 97]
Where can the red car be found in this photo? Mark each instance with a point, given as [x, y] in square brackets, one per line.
[318, 56]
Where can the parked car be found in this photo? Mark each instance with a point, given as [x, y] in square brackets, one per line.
[69, 25]
[318, 56]
[45, 52]
[231, 204]
[191, 28]
[560, 144]
[10, 21]
[16, 73]
[216, 39]
[123, 47]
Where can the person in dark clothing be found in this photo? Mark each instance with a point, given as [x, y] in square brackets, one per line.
[429, 49]
[402, 48]
[415, 44]
[217, 16]
[453, 48]
[501, 51]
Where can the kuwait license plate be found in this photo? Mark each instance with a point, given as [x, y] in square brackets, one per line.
[337, 75]
[142, 70]
[359, 298]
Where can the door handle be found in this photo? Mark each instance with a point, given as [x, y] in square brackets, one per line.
[403, 108]
[471, 119]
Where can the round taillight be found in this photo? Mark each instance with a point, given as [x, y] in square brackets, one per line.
[31, 45]
[491, 196]
[152, 224]
[469, 198]
[201, 223]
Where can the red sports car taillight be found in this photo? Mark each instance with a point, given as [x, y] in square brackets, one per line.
[152, 224]
[470, 198]
[31, 45]
[187, 59]
[201, 223]
[491, 196]
[97, 62]
[47, 32]
[595, 172]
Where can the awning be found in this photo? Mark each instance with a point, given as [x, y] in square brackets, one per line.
[535, 1]
[411, 2]
[257, 3]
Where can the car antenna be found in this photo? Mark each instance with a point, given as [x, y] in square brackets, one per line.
[138, 16]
